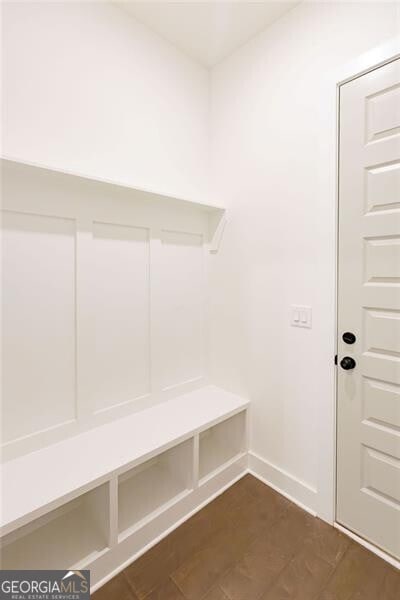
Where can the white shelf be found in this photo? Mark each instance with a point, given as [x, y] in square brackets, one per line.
[150, 488]
[72, 536]
[221, 444]
[82, 462]
[149, 192]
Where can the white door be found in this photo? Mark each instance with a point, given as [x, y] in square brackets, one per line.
[368, 434]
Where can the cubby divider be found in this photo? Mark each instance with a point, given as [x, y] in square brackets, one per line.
[153, 486]
[220, 444]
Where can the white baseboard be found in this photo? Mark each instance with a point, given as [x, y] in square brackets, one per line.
[286, 484]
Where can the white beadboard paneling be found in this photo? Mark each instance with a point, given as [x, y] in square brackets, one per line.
[182, 280]
[39, 374]
[121, 361]
[130, 283]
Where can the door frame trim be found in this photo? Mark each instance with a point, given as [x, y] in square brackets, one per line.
[328, 187]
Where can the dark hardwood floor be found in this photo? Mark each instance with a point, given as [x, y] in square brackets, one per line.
[253, 544]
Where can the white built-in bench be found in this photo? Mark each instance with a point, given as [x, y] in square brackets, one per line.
[101, 498]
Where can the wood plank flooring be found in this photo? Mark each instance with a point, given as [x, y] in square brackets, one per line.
[253, 544]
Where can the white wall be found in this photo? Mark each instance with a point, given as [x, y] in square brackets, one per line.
[87, 88]
[271, 121]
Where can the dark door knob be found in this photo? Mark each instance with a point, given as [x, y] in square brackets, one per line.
[348, 337]
[347, 363]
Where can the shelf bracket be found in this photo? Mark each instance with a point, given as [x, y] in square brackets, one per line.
[218, 234]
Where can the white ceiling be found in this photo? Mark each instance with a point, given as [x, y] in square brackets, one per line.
[207, 31]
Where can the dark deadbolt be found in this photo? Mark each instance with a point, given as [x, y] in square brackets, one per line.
[347, 363]
[348, 337]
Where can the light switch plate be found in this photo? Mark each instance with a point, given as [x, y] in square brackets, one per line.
[301, 316]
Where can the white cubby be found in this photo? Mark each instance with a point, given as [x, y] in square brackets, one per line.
[73, 535]
[151, 463]
[221, 444]
[153, 486]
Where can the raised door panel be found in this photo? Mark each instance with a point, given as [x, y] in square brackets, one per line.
[381, 475]
[383, 113]
[383, 184]
[382, 259]
[381, 403]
